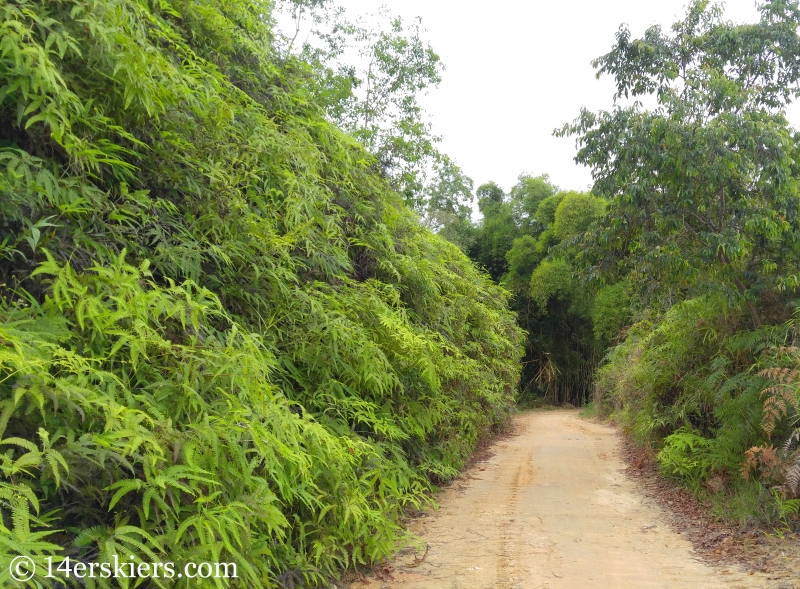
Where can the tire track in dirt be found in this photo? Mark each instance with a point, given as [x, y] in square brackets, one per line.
[552, 509]
[507, 572]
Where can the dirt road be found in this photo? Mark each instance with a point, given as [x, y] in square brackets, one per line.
[553, 509]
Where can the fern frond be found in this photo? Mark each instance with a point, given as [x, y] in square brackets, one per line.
[793, 476]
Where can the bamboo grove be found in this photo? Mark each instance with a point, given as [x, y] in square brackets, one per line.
[223, 337]
[527, 241]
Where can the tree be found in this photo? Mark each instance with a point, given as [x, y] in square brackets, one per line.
[490, 196]
[703, 188]
[526, 196]
[496, 231]
[369, 75]
[448, 196]
[507, 217]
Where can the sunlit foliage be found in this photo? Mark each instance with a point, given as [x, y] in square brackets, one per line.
[222, 336]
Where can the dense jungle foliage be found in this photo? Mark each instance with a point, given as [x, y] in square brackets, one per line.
[228, 332]
[702, 228]
[223, 336]
[526, 240]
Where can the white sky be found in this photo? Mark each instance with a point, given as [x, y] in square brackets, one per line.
[517, 69]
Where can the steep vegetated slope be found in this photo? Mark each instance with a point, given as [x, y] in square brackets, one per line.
[222, 336]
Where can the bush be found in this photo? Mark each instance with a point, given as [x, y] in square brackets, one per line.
[714, 398]
[685, 455]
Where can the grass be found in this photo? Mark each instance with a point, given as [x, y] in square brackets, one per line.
[589, 411]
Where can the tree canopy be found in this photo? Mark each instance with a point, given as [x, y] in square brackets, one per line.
[703, 188]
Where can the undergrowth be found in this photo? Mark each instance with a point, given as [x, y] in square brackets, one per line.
[718, 402]
[589, 410]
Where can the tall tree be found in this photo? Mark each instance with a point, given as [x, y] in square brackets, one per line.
[703, 188]
[525, 198]
[448, 196]
[369, 75]
[497, 230]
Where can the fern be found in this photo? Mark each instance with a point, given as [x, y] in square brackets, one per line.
[685, 455]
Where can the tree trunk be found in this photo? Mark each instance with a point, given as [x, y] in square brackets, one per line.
[750, 306]
[742, 291]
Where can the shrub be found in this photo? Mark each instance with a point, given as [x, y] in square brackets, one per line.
[718, 400]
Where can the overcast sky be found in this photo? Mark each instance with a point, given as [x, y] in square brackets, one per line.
[517, 69]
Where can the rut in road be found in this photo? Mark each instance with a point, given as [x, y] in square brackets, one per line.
[553, 509]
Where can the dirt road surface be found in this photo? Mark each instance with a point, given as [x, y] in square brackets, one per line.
[553, 509]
